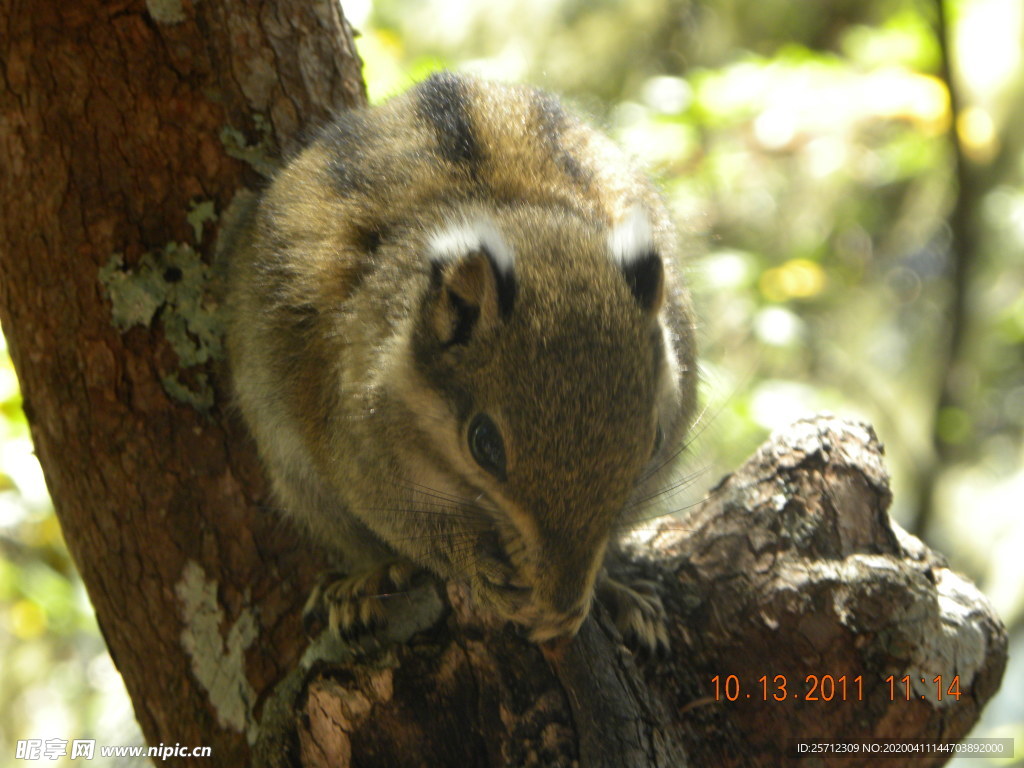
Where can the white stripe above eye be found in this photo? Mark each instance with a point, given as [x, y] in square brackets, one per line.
[460, 238]
[632, 237]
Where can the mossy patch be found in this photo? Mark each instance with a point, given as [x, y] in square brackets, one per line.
[166, 11]
[259, 155]
[217, 649]
[174, 288]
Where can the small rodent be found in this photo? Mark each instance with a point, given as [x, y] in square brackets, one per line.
[458, 337]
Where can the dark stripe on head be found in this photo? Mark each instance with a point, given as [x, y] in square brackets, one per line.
[644, 276]
[552, 121]
[442, 102]
[345, 141]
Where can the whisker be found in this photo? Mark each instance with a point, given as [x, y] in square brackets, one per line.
[677, 511]
[427, 510]
[700, 423]
[671, 489]
[435, 493]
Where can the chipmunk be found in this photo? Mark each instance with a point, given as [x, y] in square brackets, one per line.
[457, 336]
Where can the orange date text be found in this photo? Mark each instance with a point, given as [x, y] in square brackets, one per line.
[827, 688]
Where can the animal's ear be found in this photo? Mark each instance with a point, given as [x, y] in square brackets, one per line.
[631, 247]
[472, 281]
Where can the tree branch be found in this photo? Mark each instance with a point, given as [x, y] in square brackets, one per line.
[791, 568]
[953, 368]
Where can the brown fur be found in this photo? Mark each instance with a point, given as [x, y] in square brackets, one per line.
[338, 332]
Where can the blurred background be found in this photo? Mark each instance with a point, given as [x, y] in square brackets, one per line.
[850, 178]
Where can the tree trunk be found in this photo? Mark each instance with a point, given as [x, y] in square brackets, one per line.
[120, 123]
[126, 129]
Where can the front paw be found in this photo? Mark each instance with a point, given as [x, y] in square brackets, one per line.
[353, 604]
[638, 612]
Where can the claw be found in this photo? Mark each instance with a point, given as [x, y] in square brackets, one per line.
[352, 604]
[639, 615]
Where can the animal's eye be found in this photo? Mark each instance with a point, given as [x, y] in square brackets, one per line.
[659, 438]
[486, 445]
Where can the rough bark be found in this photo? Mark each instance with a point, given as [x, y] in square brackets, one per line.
[124, 128]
